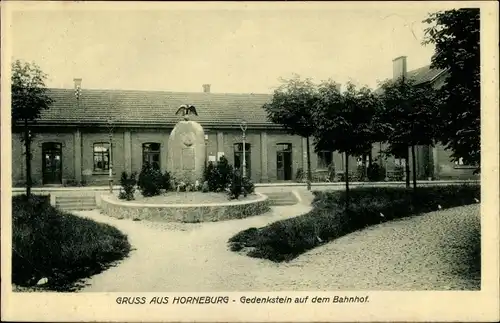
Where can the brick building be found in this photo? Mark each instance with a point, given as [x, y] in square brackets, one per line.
[73, 137]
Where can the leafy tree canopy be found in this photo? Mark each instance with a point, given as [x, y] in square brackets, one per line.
[456, 34]
[29, 95]
[408, 111]
[344, 121]
[292, 105]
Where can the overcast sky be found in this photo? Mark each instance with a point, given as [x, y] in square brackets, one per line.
[234, 50]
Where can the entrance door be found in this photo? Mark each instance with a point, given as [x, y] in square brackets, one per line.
[284, 162]
[52, 163]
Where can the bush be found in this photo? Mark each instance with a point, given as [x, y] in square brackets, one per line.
[127, 189]
[286, 239]
[300, 175]
[240, 185]
[64, 248]
[166, 181]
[375, 172]
[150, 180]
[219, 176]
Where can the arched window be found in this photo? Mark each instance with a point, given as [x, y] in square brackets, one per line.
[101, 156]
[151, 153]
[238, 157]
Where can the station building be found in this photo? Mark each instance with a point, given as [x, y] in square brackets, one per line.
[86, 131]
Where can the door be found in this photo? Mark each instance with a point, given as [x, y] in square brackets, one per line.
[284, 162]
[52, 163]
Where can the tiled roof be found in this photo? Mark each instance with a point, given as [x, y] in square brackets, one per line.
[157, 108]
[424, 74]
[421, 75]
[153, 107]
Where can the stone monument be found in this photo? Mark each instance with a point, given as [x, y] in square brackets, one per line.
[186, 148]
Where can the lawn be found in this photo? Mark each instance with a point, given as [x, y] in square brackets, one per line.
[329, 219]
[64, 248]
[189, 198]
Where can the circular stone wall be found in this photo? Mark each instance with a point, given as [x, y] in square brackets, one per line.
[192, 213]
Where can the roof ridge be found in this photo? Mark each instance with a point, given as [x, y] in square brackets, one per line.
[160, 91]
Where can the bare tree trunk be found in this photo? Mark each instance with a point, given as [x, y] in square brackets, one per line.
[346, 180]
[407, 168]
[27, 145]
[414, 167]
[309, 172]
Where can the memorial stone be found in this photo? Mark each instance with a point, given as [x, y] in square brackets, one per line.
[186, 150]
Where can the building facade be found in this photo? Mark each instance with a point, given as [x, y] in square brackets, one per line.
[86, 132]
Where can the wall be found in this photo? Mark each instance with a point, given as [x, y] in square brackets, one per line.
[18, 157]
[218, 140]
[139, 137]
[445, 169]
[252, 138]
[274, 138]
[88, 140]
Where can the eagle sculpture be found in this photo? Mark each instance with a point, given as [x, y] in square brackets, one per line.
[186, 110]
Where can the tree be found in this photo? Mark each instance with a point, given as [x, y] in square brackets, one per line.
[409, 112]
[292, 107]
[29, 99]
[344, 122]
[455, 34]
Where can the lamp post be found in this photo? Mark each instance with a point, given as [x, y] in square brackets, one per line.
[206, 150]
[243, 127]
[110, 132]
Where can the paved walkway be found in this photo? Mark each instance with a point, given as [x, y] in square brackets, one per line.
[420, 253]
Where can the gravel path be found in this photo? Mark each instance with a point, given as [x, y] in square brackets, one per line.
[429, 252]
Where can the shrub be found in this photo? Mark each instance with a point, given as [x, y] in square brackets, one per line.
[375, 172]
[209, 177]
[127, 189]
[240, 185]
[248, 186]
[47, 242]
[286, 239]
[219, 176]
[150, 180]
[331, 172]
[236, 186]
[360, 174]
[300, 175]
[166, 181]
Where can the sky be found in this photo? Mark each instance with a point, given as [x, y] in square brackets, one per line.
[236, 50]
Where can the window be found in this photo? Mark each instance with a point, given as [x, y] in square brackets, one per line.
[101, 156]
[151, 154]
[400, 162]
[359, 160]
[325, 159]
[284, 147]
[238, 157]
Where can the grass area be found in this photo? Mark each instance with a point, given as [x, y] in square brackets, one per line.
[189, 198]
[329, 219]
[49, 243]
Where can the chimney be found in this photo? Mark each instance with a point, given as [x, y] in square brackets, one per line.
[78, 87]
[338, 86]
[206, 88]
[399, 67]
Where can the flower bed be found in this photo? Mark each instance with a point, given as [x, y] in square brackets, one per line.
[328, 220]
[61, 247]
[184, 212]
